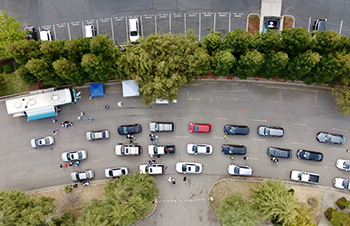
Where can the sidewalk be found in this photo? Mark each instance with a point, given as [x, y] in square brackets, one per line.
[269, 8]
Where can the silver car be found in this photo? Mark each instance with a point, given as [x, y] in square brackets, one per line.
[82, 175]
[96, 135]
[270, 131]
[74, 155]
[240, 170]
[343, 164]
[188, 167]
[42, 141]
[341, 183]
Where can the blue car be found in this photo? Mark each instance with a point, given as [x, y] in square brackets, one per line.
[129, 129]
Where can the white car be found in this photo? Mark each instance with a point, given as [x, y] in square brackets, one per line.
[154, 169]
[74, 155]
[343, 164]
[82, 175]
[134, 26]
[116, 171]
[189, 167]
[42, 141]
[202, 149]
[341, 183]
[240, 170]
[161, 126]
[96, 135]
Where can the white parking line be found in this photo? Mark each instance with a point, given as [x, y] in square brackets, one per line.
[258, 139]
[181, 118]
[329, 167]
[181, 136]
[258, 120]
[219, 137]
[298, 143]
[338, 149]
[270, 101]
[342, 130]
[28, 152]
[298, 124]
[143, 119]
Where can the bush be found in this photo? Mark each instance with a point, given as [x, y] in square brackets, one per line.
[17, 65]
[68, 188]
[329, 212]
[1, 70]
[291, 191]
[342, 203]
[2, 82]
[313, 202]
[8, 68]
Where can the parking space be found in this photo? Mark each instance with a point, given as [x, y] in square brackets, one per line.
[163, 23]
[192, 21]
[120, 29]
[148, 24]
[76, 29]
[222, 23]
[238, 20]
[104, 26]
[207, 23]
[60, 31]
[177, 23]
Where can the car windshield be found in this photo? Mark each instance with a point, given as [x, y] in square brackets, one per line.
[123, 171]
[236, 170]
[133, 33]
[196, 128]
[110, 173]
[92, 135]
[80, 155]
[68, 156]
[267, 131]
[77, 176]
[346, 165]
[230, 149]
[183, 167]
[104, 134]
[88, 175]
[195, 149]
[197, 168]
[157, 127]
[125, 129]
[346, 184]
[155, 150]
[122, 151]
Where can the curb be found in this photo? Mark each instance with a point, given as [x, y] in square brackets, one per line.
[248, 20]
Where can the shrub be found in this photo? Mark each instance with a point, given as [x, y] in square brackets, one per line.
[8, 68]
[2, 82]
[291, 191]
[1, 70]
[68, 188]
[313, 202]
[329, 212]
[342, 203]
[17, 65]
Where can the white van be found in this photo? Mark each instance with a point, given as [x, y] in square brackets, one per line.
[90, 31]
[134, 33]
[45, 35]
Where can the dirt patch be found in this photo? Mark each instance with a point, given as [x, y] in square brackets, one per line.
[225, 187]
[253, 23]
[288, 22]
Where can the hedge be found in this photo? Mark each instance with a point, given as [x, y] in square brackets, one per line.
[8, 68]
[1, 70]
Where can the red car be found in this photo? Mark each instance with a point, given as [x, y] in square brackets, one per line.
[199, 128]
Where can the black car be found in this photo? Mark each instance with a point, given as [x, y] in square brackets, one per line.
[310, 155]
[236, 130]
[233, 149]
[31, 33]
[129, 129]
[319, 25]
[279, 152]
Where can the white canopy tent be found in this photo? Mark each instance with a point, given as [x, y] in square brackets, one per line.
[130, 88]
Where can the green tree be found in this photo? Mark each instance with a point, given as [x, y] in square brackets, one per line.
[222, 63]
[295, 41]
[24, 50]
[25, 75]
[18, 208]
[340, 218]
[10, 32]
[125, 203]
[237, 42]
[273, 64]
[248, 65]
[304, 217]
[212, 42]
[275, 202]
[68, 71]
[327, 42]
[342, 100]
[268, 42]
[234, 211]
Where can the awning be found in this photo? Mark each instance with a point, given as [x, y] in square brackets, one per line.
[130, 88]
[97, 90]
[41, 113]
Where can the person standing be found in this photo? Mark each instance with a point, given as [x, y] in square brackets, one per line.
[90, 119]
[82, 113]
[173, 180]
[169, 179]
[184, 178]
[106, 106]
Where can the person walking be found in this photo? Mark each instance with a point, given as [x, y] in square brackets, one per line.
[61, 166]
[245, 158]
[70, 163]
[231, 157]
[55, 131]
[82, 113]
[54, 120]
[75, 185]
[225, 137]
[173, 180]
[79, 117]
[185, 178]
[169, 179]
[90, 119]
[77, 163]
[106, 107]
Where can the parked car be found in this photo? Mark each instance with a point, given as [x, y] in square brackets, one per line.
[319, 25]
[236, 130]
[343, 164]
[74, 155]
[240, 170]
[195, 149]
[46, 35]
[233, 149]
[90, 31]
[96, 135]
[279, 152]
[154, 169]
[189, 167]
[309, 155]
[134, 33]
[311, 178]
[116, 172]
[31, 33]
[270, 131]
[199, 128]
[82, 175]
[129, 129]
[42, 141]
[341, 183]
[161, 127]
[330, 138]
[128, 149]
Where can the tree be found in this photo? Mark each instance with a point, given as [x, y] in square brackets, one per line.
[25, 75]
[126, 200]
[295, 41]
[248, 65]
[273, 64]
[237, 42]
[10, 32]
[222, 63]
[234, 211]
[340, 218]
[327, 42]
[212, 42]
[24, 50]
[275, 202]
[18, 208]
[304, 217]
[342, 100]
[267, 42]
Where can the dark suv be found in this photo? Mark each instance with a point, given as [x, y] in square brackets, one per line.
[31, 33]
[319, 25]
[279, 152]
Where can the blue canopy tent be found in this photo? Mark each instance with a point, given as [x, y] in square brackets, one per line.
[97, 90]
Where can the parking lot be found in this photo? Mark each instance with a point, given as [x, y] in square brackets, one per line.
[117, 27]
